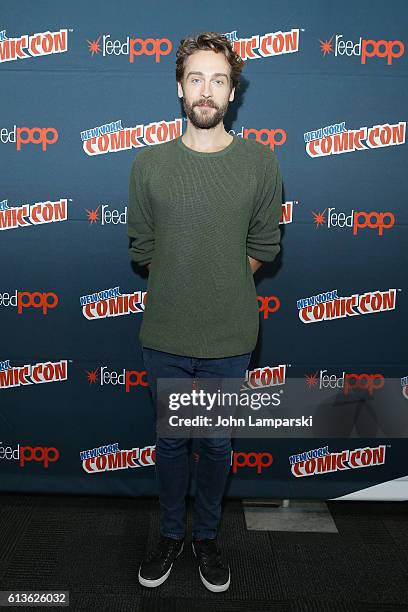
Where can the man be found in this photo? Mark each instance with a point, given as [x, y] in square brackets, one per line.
[203, 215]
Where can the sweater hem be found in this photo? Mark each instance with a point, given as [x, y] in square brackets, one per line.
[197, 354]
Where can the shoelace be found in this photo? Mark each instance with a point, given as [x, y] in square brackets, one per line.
[209, 553]
[164, 549]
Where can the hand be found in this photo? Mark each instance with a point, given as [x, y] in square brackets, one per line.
[254, 263]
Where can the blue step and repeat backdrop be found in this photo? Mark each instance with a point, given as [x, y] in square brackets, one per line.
[84, 87]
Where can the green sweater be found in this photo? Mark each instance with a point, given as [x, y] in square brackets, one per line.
[196, 217]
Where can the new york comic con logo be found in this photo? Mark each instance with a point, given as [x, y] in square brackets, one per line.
[35, 45]
[321, 461]
[111, 303]
[365, 48]
[336, 139]
[329, 306]
[113, 137]
[263, 46]
[110, 458]
[32, 214]
[32, 374]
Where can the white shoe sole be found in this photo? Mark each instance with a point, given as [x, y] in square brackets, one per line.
[155, 583]
[215, 588]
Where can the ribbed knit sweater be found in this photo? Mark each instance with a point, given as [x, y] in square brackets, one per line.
[196, 217]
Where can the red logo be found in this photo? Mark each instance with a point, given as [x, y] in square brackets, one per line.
[373, 220]
[258, 460]
[370, 382]
[265, 308]
[272, 138]
[149, 46]
[391, 49]
[41, 136]
[40, 454]
[35, 299]
[134, 378]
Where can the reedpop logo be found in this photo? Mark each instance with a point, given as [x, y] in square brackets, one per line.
[106, 216]
[126, 378]
[347, 382]
[356, 220]
[365, 48]
[131, 47]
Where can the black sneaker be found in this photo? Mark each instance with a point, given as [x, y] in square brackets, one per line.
[156, 567]
[214, 574]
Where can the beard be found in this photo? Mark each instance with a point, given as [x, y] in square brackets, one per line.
[204, 118]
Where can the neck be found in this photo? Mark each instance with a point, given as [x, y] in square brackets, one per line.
[210, 141]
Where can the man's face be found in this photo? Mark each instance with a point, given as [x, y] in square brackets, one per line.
[206, 89]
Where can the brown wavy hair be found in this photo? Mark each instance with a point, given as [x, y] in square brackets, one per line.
[209, 40]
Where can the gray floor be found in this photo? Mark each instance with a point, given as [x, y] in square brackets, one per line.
[288, 515]
[92, 547]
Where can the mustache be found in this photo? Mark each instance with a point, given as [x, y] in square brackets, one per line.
[205, 104]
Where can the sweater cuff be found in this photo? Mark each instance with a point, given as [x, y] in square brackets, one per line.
[140, 250]
[265, 253]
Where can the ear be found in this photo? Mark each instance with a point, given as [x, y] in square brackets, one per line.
[232, 94]
[179, 90]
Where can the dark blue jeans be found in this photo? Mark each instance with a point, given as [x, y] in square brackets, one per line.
[172, 458]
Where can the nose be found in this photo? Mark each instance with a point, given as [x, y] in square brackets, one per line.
[206, 90]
